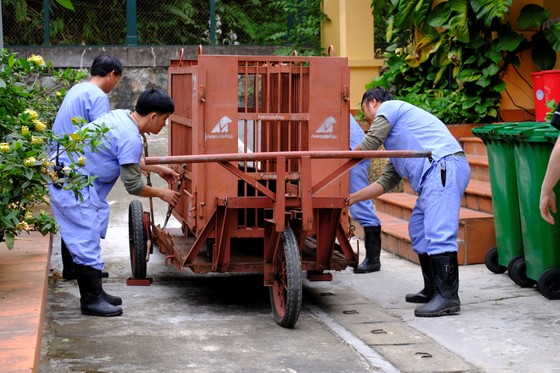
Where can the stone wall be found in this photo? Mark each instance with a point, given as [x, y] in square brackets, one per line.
[144, 66]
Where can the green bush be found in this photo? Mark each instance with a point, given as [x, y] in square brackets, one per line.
[450, 57]
[30, 94]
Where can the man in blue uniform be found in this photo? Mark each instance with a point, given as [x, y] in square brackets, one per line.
[87, 100]
[363, 211]
[439, 181]
[82, 220]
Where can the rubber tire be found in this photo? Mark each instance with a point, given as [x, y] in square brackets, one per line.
[549, 284]
[517, 271]
[137, 239]
[286, 291]
[491, 261]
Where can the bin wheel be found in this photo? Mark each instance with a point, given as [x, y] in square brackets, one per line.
[286, 290]
[491, 261]
[549, 283]
[517, 270]
[137, 239]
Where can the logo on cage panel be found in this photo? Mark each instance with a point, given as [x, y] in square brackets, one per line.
[220, 130]
[325, 130]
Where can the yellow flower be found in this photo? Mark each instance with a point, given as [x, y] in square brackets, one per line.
[39, 126]
[58, 94]
[23, 226]
[67, 170]
[28, 215]
[75, 120]
[82, 161]
[28, 162]
[36, 140]
[75, 136]
[53, 175]
[38, 60]
[32, 114]
[4, 147]
[24, 130]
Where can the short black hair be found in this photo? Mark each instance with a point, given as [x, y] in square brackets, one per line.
[154, 100]
[378, 93]
[104, 64]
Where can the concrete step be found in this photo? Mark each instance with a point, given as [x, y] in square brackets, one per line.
[478, 195]
[473, 146]
[475, 237]
[479, 167]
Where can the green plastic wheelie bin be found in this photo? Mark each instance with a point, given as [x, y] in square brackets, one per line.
[503, 183]
[541, 240]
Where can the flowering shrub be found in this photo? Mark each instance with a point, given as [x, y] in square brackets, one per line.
[31, 91]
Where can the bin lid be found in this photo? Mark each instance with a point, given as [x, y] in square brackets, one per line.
[489, 131]
[552, 136]
[529, 134]
[501, 130]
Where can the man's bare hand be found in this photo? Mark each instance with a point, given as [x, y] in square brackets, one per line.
[168, 174]
[170, 196]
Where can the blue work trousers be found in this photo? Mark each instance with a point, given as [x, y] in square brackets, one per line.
[434, 222]
[363, 211]
[82, 224]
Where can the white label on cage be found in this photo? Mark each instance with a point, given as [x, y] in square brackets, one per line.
[325, 130]
[221, 130]
[271, 117]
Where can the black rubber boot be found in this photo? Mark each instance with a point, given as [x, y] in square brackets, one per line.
[426, 294]
[68, 266]
[446, 284]
[93, 300]
[113, 299]
[371, 263]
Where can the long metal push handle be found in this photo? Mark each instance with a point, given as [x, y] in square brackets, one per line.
[227, 157]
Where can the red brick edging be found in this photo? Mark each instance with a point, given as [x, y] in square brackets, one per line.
[24, 273]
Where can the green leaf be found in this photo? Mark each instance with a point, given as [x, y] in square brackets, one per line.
[499, 87]
[469, 75]
[487, 10]
[428, 45]
[532, 15]
[470, 60]
[439, 16]
[495, 56]
[459, 24]
[421, 10]
[490, 70]
[543, 55]
[9, 239]
[66, 3]
[509, 41]
[552, 34]
[480, 110]
[483, 81]
[2, 83]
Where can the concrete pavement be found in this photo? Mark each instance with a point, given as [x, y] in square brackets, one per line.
[501, 328]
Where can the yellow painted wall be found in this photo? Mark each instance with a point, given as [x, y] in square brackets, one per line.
[349, 29]
[519, 91]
